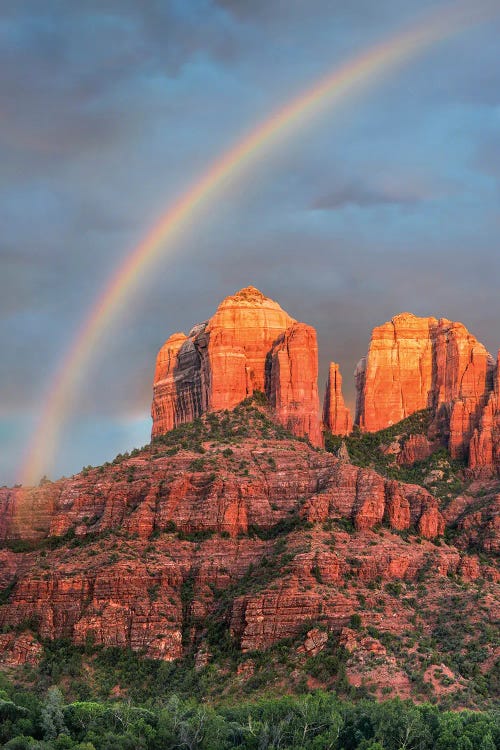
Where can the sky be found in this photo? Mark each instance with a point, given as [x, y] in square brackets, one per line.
[111, 109]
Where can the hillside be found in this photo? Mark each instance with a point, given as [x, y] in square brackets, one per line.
[245, 560]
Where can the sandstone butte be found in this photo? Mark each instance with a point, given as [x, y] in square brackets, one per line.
[250, 344]
[423, 363]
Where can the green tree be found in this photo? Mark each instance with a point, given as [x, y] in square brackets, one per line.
[52, 716]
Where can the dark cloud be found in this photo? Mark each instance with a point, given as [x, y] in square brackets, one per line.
[363, 196]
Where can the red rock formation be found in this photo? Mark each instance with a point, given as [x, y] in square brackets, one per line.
[484, 453]
[239, 338]
[18, 649]
[368, 499]
[293, 381]
[336, 416]
[120, 587]
[397, 377]
[417, 363]
[177, 383]
[223, 361]
[416, 448]
[314, 642]
[25, 512]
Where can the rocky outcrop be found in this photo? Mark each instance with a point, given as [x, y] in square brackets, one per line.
[367, 499]
[336, 416]
[252, 486]
[484, 452]
[293, 381]
[249, 345]
[25, 512]
[423, 363]
[314, 589]
[396, 377]
[19, 649]
[416, 448]
[230, 527]
[177, 383]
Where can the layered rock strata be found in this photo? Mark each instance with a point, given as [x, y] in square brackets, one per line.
[130, 594]
[484, 451]
[249, 345]
[423, 363]
[292, 383]
[140, 553]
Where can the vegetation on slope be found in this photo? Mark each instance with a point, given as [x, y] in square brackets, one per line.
[316, 721]
[442, 475]
[114, 698]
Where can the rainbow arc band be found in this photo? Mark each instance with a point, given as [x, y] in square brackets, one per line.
[346, 79]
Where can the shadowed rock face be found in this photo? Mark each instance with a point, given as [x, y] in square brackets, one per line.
[223, 361]
[419, 363]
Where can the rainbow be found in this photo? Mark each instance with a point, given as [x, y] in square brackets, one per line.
[346, 79]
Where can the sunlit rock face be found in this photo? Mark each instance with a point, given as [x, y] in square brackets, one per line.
[484, 452]
[250, 344]
[423, 363]
[292, 381]
[336, 416]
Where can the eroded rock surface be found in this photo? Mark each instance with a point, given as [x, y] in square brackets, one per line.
[250, 344]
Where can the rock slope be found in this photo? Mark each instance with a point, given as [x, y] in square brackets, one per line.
[230, 526]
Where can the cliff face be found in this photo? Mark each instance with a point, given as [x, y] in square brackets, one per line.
[419, 363]
[336, 416]
[412, 364]
[249, 345]
[292, 382]
[484, 452]
[395, 380]
[150, 491]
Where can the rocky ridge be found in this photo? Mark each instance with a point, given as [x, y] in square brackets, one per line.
[234, 533]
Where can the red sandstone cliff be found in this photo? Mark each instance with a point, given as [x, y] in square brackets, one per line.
[293, 381]
[418, 363]
[223, 361]
[336, 416]
[484, 452]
